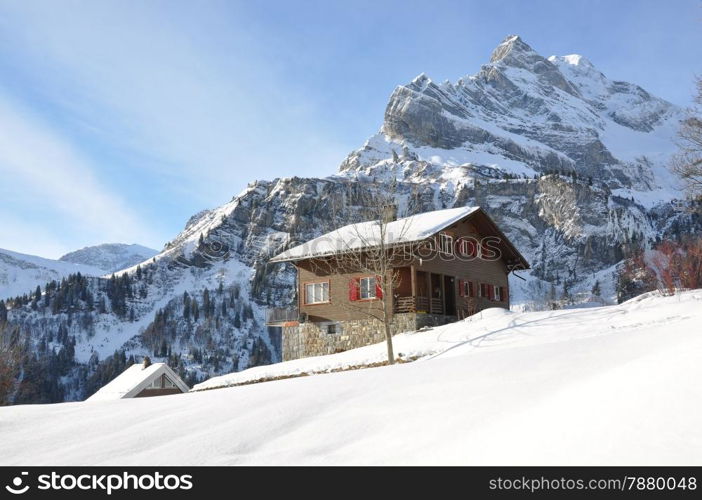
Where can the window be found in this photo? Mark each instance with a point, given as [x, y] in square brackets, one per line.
[317, 293]
[498, 296]
[155, 383]
[333, 328]
[465, 288]
[468, 247]
[446, 243]
[367, 287]
[168, 383]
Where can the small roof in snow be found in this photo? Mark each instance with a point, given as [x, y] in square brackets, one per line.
[134, 379]
[362, 234]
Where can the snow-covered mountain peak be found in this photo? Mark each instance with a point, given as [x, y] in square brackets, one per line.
[21, 273]
[574, 60]
[625, 103]
[420, 82]
[110, 257]
[523, 114]
[512, 50]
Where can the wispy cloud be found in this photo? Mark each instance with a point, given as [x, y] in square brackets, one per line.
[45, 178]
[162, 107]
[188, 89]
[112, 109]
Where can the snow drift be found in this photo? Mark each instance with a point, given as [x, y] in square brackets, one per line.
[599, 386]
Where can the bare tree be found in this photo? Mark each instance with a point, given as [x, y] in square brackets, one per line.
[373, 249]
[10, 356]
[687, 163]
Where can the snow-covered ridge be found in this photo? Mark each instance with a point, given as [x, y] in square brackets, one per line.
[21, 273]
[110, 257]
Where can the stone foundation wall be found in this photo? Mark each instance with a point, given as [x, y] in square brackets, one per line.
[312, 339]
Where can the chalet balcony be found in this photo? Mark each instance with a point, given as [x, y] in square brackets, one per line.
[280, 316]
[418, 304]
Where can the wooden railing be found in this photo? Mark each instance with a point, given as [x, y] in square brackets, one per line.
[418, 304]
[405, 305]
[279, 315]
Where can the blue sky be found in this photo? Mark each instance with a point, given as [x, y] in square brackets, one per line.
[121, 119]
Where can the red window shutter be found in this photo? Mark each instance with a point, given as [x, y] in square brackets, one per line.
[491, 291]
[378, 288]
[503, 293]
[353, 289]
[470, 289]
[461, 290]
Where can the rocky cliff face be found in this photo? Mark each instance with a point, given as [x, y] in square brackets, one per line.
[526, 114]
[569, 163]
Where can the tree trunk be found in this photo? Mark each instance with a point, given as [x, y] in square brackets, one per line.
[388, 341]
[387, 317]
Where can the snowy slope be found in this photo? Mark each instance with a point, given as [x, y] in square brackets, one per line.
[613, 385]
[21, 273]
[110, 257]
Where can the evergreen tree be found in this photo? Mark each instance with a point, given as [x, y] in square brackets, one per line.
[206, 303]
[195, 308]
[186, 306]
[102, 306]
[596, 291]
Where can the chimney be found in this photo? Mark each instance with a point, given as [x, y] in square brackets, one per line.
[147, 361]
[389, 213]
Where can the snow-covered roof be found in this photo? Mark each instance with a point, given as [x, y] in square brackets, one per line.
[134, 379]
[366, 234]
